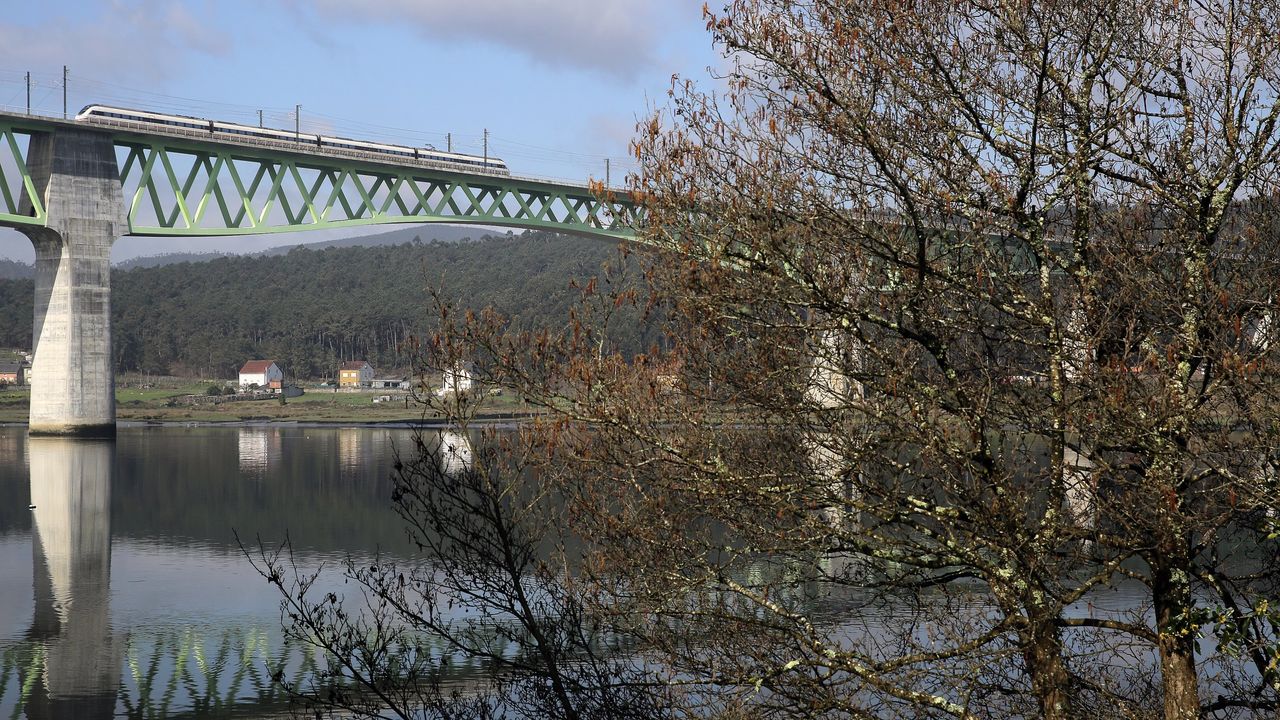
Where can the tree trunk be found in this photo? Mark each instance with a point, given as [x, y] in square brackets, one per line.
[1042, 654]
[1171, 592]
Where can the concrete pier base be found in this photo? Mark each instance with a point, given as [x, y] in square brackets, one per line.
[73, 383]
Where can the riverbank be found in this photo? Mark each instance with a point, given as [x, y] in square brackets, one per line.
[163, 405]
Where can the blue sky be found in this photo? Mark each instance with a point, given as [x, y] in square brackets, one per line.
[559, 84]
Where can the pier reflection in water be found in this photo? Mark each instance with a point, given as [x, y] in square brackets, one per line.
[71, 543]
[124, 591]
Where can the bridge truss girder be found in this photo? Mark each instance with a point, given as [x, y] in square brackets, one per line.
[20, 203]
[224, 191]
[181, 187]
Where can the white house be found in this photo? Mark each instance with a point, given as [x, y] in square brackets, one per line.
[263, 373]
[457, 381]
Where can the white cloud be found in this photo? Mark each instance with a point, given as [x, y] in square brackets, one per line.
[135, 40]
[614, 37]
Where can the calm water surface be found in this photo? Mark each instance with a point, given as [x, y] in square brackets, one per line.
[123, 591]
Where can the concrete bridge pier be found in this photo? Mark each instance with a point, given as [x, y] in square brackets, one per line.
[73, 384]
[831, 389]
[1081, 493]
[1078, 481]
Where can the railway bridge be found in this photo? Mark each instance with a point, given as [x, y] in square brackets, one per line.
[74, 186]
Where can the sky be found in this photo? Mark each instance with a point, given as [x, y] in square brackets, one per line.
[558, 84]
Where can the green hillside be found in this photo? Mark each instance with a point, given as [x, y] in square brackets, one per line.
[311, 309]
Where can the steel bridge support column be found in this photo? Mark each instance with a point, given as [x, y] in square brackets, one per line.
[73, 384]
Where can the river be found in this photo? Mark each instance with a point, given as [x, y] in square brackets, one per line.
[123, 589]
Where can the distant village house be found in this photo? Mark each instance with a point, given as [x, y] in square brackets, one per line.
[263, 373]
[13, 373]
[355, 373]
[457, 381]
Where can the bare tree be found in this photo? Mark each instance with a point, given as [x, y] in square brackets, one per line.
[972, 327]
[969, 404]
[485, 622]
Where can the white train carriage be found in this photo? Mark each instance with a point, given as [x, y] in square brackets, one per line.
[437, 158]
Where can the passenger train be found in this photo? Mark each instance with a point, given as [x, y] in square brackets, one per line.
[453, 161]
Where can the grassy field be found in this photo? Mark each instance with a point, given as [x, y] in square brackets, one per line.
[13, 404]
[159, 403]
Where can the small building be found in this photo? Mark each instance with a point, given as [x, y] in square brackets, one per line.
[388, 383]
[13, 373]
[263, 373]
[355, 373]
[457, 381]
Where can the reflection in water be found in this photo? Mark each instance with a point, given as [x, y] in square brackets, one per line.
[196, 632]
[455, 452]
[259, 447]
[71, 543]
[142, 605]
[12, 445]
[357, 447]
[353, 448]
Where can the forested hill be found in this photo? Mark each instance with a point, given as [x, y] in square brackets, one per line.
[399, 236]
[10, 270]
[312, 309]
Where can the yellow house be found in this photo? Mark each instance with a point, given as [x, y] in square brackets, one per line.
[355, 373]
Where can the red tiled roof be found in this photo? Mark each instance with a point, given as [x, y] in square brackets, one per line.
[354, 364]
[256, 366]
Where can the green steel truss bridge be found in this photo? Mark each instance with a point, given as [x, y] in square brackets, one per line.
[178, 182]
[74, 187]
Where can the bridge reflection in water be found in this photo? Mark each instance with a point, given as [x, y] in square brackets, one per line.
[194, 632]
[72, 664]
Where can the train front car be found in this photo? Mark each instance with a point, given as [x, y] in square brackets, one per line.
[113, 115]
[87, 112]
